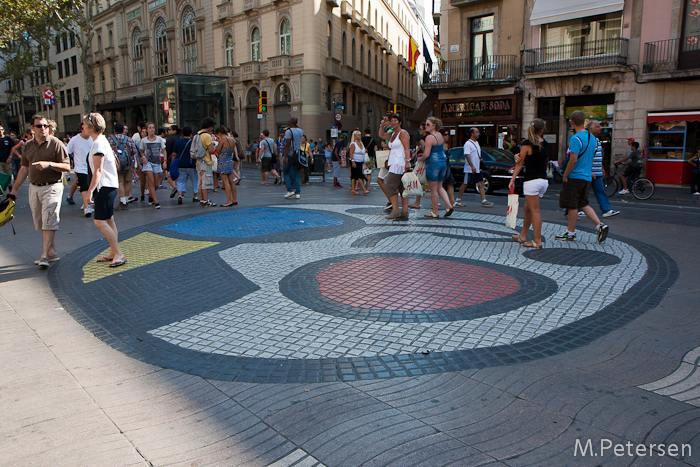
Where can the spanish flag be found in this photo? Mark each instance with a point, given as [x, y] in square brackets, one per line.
[413, 53]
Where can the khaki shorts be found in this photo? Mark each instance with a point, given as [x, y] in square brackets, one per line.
[45, 203]
[393, 184]
[126, 177]
[205, 176]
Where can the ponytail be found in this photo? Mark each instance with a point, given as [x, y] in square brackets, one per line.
[536, 126]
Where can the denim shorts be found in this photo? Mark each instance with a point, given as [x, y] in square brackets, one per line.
[151, 167]
[435, 169]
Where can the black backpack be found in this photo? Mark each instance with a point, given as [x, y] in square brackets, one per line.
[123, 155]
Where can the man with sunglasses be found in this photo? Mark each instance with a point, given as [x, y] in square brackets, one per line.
[44, 159]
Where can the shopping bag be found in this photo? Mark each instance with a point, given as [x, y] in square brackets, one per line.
[382, 157]
[512, 213]
[411, 185]
[419, 170]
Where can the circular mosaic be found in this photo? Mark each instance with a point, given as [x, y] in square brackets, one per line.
[304, 294]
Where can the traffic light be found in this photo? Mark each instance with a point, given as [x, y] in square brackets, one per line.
[397, 109]
[262, 102]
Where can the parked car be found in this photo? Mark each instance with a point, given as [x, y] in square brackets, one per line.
[497, 168]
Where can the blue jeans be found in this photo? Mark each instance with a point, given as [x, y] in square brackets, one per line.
[16, 164]
[599, 192]
[292, 178]
[182, 180]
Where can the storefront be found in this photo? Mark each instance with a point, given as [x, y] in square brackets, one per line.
[597, 107]
[673, 138]
[496, 117]
[184, 100]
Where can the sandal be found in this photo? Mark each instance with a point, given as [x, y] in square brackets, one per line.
[366, 192]
[104, 259]
[432, 215]
[534, 245]
[449, 212]
[354, 193]
[118, 263]
[413, 206]
[516, 238]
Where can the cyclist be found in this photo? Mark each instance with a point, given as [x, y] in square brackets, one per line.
[634, 166]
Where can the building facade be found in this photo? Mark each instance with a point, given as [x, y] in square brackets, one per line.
[634, 65]
[327, 62]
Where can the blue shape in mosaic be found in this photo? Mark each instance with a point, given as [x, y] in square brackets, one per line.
[252, 222]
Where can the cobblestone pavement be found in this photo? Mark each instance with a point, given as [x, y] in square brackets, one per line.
[322, 334]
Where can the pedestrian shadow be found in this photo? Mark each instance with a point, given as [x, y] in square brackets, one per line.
[15, 272]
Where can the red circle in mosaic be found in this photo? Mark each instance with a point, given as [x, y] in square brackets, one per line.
[412, 284]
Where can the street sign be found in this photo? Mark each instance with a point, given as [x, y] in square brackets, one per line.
[338, 117]
[259, 116]
[334, 132]
[166, 105]
[49, 98]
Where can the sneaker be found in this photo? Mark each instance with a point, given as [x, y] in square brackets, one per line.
[486, 204]
[297, 196]
[50, 259]
[611, 213]
[157, 205]
[89, 210]
[70, 201]
[623, 192]
[697, 193]
[142, 198]
[289, 194]
[195, 199]
[132, 199]
[179, 200]
[121, 207]
[387, 208]
[394, 215]
[173, 193]
[581, 214]
[602, 233]
[43, 262]
[150, 201]
[146, 192]
[457, 204]
[207, 204]
[566, 236]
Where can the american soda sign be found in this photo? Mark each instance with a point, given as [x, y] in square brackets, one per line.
[478, 108]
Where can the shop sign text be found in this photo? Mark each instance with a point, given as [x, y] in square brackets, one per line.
[478, 108]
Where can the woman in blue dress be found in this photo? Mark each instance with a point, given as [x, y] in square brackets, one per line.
[435, 166]
[226, 150]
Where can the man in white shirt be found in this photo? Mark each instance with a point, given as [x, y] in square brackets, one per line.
[472, 170]
[79, 147]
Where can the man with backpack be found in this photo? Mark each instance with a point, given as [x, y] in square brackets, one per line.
[186, 166]
[577, 179]
[125, 153]
[200, 150]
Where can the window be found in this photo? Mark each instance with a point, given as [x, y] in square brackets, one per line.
[375, 68]
[255, 45]
[43, 76]
[369, 63]
[381, 72]
[343, 47]
[66, 67]
[161, 49]
[189, 40]
[580, 35]
[229, 50]
[362, 58]
[283, 93]
[345, 101]
[72, 40]
[74, 64]
[354, 103]
[329, 39]
[111, 39]
[102, 82]
[59, 66]
[482, 45]
[63, 99]
[353, 53]
[58, 45]
[285, 38]
[69, 97]
[76, 96]
[114, 80]
[64, 40]
[137, 56]
[99, 43]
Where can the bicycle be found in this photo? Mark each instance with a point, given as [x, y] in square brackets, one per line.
[640, 187]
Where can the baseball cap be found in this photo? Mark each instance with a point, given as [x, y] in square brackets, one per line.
[343, 135]
[630, 140]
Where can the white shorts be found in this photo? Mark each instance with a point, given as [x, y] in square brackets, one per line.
[383, 173]
[536, 187]
[151, 167]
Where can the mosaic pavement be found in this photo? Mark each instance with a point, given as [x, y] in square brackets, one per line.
[337, 293]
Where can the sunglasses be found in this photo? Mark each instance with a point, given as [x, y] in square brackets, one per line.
[42, 125]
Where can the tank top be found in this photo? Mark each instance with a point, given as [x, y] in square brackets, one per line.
[536, 163]
[397, 156]
[358, 155]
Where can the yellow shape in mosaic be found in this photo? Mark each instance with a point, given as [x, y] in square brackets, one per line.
[141, 250]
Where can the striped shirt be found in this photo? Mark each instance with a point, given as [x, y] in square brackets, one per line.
[597, 169]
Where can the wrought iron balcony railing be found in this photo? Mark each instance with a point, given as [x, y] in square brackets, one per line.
[580, 55]
[671, 55]
[474, 70]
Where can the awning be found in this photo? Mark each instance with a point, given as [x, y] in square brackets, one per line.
[553, 11]
[661, 117]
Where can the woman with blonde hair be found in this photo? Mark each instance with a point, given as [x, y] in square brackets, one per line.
[435, 166]
[356, 154]
[534, 156]
[104, 185]
[227, 151]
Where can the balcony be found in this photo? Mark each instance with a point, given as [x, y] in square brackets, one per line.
[371, 33]
[346, 10]
[579, 56]
[252, 71]
[250, 5]
[673, 56]
[364, 25]
[493, 69]
[279, 65]
[333, 3]
[98, 56]
[225, 10]
[347, 74]
[356, 18]
[332, 68]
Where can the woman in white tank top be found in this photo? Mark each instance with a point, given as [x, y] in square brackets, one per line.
[357, 156]
[399, 162]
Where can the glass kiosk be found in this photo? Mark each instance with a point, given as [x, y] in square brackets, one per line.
[184, 100]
